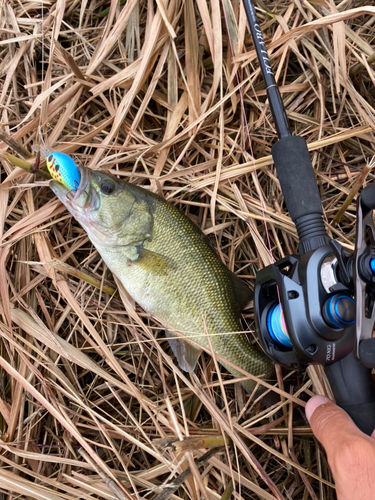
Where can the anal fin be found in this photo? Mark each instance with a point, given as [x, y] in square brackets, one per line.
[187, 355]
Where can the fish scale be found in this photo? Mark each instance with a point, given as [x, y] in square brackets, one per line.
[209, 289]
[165, 263]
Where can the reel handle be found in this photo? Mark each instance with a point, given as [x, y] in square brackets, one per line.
[351, 380]
[364, 278]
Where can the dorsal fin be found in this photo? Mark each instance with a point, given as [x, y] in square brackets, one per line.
[243, 293]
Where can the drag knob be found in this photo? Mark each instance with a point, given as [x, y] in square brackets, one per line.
[339, 311]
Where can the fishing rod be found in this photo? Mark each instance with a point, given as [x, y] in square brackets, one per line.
[317, 306]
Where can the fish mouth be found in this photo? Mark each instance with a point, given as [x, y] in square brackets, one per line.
[84, 204]
[82, 200]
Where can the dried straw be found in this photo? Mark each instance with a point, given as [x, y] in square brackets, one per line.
[149, 91]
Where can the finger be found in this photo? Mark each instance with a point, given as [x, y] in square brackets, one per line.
[331, 425]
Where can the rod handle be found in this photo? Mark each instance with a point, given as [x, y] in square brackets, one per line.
[368, 196]
[298, 184]
[354, 391]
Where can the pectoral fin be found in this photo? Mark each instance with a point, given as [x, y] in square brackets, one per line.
[187, 355]
[153, 262]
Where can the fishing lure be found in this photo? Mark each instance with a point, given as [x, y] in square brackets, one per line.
[64, 170]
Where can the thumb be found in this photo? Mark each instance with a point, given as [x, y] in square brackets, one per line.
[331, 425]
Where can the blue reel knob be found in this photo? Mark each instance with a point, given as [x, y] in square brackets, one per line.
[339, 311]
[372, 266]
[276, 326]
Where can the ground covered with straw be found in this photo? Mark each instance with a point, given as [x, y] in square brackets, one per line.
[92, 402]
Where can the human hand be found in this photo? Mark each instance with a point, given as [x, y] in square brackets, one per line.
[350, 452]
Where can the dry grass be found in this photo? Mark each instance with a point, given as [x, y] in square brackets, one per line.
[148, 90]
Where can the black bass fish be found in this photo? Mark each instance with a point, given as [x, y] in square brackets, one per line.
[167, 266]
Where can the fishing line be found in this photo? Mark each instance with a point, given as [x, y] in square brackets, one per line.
[278, 308]
[257, 184]
[45, 152]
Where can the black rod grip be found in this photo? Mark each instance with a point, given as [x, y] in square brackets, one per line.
[296, 176]
[368, 196]
[354, 391]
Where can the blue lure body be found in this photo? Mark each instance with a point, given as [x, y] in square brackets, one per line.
[64, 170]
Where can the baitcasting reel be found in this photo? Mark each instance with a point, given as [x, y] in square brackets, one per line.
[316, 307]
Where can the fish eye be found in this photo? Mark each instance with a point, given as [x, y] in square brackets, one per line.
[107, 186]
[50, 158]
